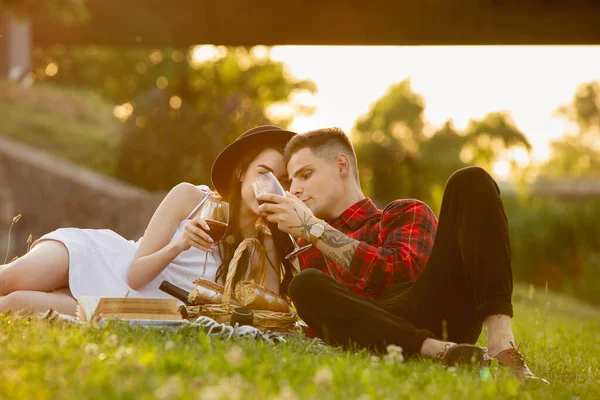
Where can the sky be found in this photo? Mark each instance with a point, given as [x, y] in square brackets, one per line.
[457, 82]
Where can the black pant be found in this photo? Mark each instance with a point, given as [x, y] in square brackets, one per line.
[467, 278]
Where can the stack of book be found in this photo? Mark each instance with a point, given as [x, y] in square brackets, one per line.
[143, 310]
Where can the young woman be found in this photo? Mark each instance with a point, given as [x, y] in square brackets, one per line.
[70, 262]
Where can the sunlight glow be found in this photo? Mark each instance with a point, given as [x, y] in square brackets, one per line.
[156, 57]
[279, 111]
[177, 56]
[457, 82]
[123, 112]
[519, 155]
[175, 102]
[162, 82]
[202, 53]
[51, 69]
[260, 52]
[501, 169]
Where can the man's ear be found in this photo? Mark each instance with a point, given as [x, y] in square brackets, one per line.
[343, 165]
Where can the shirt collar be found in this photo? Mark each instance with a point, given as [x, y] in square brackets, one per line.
[355, 215]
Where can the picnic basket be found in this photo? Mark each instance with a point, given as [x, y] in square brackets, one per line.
[226, 300]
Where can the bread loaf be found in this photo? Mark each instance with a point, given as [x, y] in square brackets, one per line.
[206, 292]
[256, 297]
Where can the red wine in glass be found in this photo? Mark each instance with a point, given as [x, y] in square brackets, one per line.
[215, 212]
[268, 183]
[217, 229]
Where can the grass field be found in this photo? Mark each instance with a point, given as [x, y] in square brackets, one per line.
[40, 359]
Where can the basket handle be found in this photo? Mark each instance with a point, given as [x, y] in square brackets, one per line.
[228, 288]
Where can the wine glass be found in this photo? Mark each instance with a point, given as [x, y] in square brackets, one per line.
[267, 183]
[215, 212]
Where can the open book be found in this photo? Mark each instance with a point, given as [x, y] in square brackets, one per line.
[128, 308]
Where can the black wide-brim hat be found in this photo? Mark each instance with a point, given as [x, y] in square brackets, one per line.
[264, 136]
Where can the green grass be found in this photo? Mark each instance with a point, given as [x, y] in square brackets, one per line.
[72, 124]
[559, 337]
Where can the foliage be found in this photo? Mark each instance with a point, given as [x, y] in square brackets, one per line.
[178, 113]
[42, 359]
[115, 74]
[440, 158]
[558, 244]
[391, 146]
[64, 11]
[585, 108]
[578, 153]
[572, 158]
[486, 138]
[387, 141]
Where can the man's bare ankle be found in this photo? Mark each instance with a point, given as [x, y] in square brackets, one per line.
[434, 348]
[499, 334]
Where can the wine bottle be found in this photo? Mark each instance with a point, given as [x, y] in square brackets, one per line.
[175, 291]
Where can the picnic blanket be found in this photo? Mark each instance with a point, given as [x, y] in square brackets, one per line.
[211, 327]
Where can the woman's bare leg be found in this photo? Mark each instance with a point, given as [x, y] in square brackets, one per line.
[45, 268]
[36, 302]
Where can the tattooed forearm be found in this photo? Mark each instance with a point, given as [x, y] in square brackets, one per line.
[342, 247]
[348, 255]
[335, 238]
[305, 223]
[333, 244]
[338, 260]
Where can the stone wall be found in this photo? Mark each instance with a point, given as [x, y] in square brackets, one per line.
[51, 193]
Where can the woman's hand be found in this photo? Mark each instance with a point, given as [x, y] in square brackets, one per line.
[195, 234]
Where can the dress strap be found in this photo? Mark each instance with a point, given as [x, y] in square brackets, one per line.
[208, 193]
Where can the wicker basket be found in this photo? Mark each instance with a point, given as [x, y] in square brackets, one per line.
[263, 319]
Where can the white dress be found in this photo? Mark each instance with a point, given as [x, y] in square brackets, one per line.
[99, 260]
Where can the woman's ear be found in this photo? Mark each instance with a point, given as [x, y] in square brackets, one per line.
[238, 174]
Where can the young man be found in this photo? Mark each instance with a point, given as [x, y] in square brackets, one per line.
[377, 277]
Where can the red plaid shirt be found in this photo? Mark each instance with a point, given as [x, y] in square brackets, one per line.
[394, 245]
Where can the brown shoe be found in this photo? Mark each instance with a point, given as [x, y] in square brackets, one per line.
[512, 359]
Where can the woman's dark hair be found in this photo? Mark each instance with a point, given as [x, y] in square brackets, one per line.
[234, 237]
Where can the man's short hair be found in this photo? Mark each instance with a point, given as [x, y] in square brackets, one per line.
[326, 143]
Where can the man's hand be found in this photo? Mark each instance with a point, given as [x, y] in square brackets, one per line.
[289, 213]
[294, 217]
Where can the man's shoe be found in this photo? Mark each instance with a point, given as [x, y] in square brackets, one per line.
[463, 354]
[511, 358]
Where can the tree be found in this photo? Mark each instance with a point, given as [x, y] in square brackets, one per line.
[64, 11]
[398, 160]
[178, 113]
[387, 141]
[174, 135]
[440, 158]
[585, 108]
[578, 153]
[487, 138]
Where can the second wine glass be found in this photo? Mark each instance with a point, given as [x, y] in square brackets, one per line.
[215, 212]
[268, 183]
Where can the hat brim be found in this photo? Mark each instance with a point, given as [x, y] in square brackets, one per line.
[222, 168]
